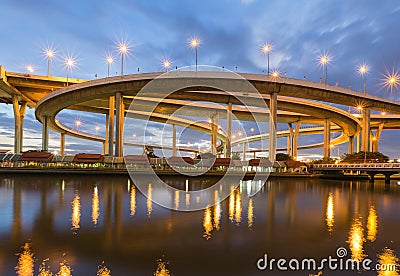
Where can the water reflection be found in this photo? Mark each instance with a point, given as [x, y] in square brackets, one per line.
[103, 271]
[232, 204]
[176, 199]
[76, 212]
[162, 269]
[388, 263]
[26, 262]
[250, 214]
[207, 223]
[65, 269]
[356, 240]
[44, 269]
[238, 207]
[149, 200]
[130, 246]
[95, 205]
[217, 210]
[133, 201]
[330, 213]
[372, 224]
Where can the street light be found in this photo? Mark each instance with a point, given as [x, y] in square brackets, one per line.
[78, 123]
[30, 69]
[324, 61]
[69, 63]
[275, 74]
[392, 80]
[50, 55]
[362, 70]
[194, 43]
[166, 64]
[266, 49]
[123, 49]
[110, 60]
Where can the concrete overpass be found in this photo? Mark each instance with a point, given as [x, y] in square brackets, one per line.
[298, 98]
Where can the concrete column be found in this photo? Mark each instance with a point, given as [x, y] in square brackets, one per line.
[22, 111]
[366, 129]
[358, 144]
[19, 114]
[376, 137]
[173, 140]
[351, 145]
[244, 151]
[228, 129]
[119, 128]
[45, 134]
[290, 140]
[111, 106]
[327, 138]
[214, 129]
[272, 125]
[296, 139]
[62, 143]
[107, 137]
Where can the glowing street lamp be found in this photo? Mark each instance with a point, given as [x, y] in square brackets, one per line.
[324, 60]
[50, 55]
[392, 80]
[362, 70]
[123, 49]
[275, 74]
[266, 49]
[194, 43]
[78, 123]
[30, 69]
[110, 60]
[69, 63]
[166, 64]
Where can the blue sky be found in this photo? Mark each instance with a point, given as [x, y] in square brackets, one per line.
[231, 34]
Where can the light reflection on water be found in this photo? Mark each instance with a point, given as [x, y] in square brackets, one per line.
[123, 227]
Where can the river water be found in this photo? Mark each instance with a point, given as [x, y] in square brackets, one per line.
[86, 221]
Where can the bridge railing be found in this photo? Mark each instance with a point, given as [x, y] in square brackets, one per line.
[358, 166]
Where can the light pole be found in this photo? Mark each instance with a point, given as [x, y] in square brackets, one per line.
[266, 49]
[50, 56]
[69, 62]
[109, 61]
[324, 61]
[362, 70]
[123, 49]
[194, 43]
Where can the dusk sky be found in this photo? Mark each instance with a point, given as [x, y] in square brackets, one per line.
[231, 33]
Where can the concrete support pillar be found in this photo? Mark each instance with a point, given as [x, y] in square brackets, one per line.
[111, 106]
[376, 137]
[272, 125]
[62, 143]
[244, 151]
[173, 140]
[45, 134]
[296, 139]
[119, 128]
[290, 140]
[351, 145]
[358, 143]
[19, 113]
[214, 128]
[228, 129]
[107, 136]
[366, 129]
[327, 138]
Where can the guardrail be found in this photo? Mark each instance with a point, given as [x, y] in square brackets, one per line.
[357, 166]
